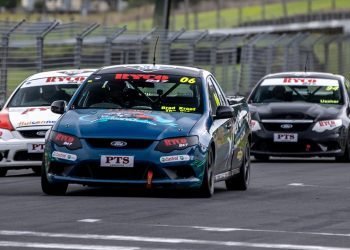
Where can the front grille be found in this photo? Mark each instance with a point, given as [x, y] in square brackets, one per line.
[33, 133]
[131, 143]
[296, 127]
[25, 156]
[287, 116]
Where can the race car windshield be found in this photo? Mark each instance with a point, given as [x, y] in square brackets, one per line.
[168, 93]
[321, 91]
[42, 95]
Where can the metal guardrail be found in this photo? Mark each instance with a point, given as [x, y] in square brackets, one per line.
[238, 61]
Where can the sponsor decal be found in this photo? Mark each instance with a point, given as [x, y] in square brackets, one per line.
[168, 109]
[117, 161]
[64, 156]
[180, 142]
[119, 144]
[33, 109]
[285, 137]
[36, 148]
[34, 123]
[299, 80]
[329, 123]
[143, 77]
[187, 109]
[332, 88]
[329, 101]
[174, 158]
[140, 117]
[65, 79]
[188, 80]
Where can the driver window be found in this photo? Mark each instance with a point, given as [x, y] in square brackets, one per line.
[213, 98]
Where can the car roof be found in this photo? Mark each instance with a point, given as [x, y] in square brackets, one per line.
[150, 68]
[305, 74]
[64, 72]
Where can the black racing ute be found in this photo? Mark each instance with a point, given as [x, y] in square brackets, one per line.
[300, 114]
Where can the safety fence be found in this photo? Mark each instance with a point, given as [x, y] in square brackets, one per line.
[238, 62]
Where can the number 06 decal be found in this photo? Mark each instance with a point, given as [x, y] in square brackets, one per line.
[188, 80]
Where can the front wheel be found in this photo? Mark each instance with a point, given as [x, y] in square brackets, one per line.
[52, 188]
[346, 156]
[207, 188]
[241, 180]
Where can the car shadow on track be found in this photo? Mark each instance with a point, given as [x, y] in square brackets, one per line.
[295, 160]
[136, 192]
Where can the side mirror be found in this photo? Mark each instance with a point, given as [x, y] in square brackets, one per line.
[58, 107]
[224, 112]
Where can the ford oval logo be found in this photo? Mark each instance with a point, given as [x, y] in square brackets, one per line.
[118, 144]
[41, 133]
[287, 126]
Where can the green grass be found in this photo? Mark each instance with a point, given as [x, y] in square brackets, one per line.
[230, 18]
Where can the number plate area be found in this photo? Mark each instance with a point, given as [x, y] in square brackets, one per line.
[35, 148]
[118, 161]
[285, 137]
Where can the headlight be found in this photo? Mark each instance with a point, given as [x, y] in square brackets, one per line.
[254, 125]
[178, 143]
[322, 126]
[63, 140]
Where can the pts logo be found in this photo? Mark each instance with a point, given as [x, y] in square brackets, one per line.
[36, 148]
[117, 161]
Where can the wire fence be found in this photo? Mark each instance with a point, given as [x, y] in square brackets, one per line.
[238, 62]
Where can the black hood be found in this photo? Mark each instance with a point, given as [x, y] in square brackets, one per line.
[294, 110]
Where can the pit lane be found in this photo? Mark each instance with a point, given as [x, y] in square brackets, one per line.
[291, 204]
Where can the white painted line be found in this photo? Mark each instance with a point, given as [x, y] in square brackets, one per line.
[89, 220]
[233, 229]
[168, 240]
[62, 246]
[297, 184]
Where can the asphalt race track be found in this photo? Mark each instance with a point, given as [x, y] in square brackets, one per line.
[291, 204]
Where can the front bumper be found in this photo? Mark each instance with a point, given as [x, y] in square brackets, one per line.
[85, 168]
[14, 153]
[327, 144]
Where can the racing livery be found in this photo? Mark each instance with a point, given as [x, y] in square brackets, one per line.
[26, 117]
[300, 114]
[151, 126]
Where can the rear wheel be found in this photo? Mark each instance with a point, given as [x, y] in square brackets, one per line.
[241, 180]
[51, 188]
[207, 188]
[3, 172]
[346, 156]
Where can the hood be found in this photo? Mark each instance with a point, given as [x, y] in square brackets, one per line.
[32, 116]
[294, 110]
[131, 124]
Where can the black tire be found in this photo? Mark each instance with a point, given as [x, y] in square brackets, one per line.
[37, 170]
[3, 172]
[241, 180]
[262, 158]
[207, 188]
[52, 188]
[346, 156]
